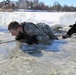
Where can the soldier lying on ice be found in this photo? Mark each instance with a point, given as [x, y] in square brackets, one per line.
[30, 33]
[70, 31]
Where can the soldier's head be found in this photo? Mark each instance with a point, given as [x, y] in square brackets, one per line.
[15, 28]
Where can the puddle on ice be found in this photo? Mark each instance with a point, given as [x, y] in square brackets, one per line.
[56, 45]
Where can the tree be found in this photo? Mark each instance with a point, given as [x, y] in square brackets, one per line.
[57, 6]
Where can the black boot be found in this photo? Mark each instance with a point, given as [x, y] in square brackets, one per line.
[65, 36]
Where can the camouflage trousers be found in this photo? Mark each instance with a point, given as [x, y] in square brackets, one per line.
[48, 31]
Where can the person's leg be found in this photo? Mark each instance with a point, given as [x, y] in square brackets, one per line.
[47, 30]
[70, 32]
[50, 32]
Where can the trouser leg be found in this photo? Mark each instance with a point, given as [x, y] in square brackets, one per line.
[50, 32]
[72, 30]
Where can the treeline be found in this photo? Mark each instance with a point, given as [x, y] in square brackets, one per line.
[36, 5]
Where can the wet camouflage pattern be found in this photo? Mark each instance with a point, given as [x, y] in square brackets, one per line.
[44, 32]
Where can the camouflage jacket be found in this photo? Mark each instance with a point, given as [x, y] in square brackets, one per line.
[44, 32]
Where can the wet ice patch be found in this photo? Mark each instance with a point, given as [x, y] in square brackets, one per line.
[32, 48]
[5, 49]
[56, 45]
[3, 28]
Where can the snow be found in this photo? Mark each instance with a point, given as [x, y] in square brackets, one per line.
[36, 17]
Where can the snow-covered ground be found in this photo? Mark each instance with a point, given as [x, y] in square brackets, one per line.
[57, 58]
[36, 17]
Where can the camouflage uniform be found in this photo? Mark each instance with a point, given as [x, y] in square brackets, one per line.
[44, 32]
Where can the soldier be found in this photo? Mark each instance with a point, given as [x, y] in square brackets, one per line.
[70, 31]
[31, 33]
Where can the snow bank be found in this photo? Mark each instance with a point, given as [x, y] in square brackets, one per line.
[68, 19]
[36, 17]
[50, 18]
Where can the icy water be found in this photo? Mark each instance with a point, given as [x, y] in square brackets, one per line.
[58, 58]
